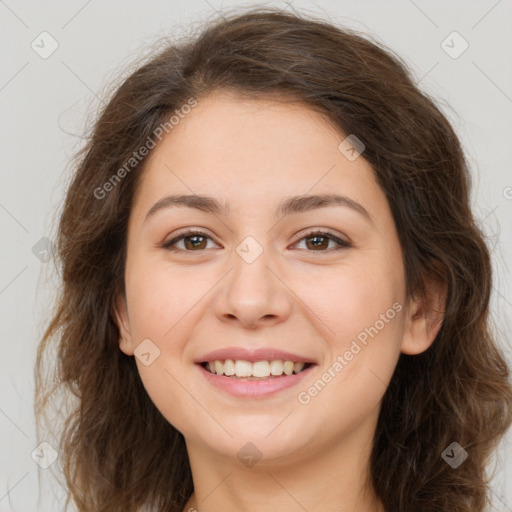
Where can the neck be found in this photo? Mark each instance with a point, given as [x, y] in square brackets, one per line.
[324, 476]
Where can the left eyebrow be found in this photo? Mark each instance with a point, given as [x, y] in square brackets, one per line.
[289, 206]
[300, 204]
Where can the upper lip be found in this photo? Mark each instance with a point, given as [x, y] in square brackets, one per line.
[259, 354]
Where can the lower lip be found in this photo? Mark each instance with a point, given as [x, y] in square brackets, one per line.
[254, 388]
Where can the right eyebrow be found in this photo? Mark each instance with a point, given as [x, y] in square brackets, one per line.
[204, 203]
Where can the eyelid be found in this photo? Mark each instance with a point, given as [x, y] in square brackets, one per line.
[323, 232]
[189, 232]
[186, 232]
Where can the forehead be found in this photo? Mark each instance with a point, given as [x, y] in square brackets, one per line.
[253, 152]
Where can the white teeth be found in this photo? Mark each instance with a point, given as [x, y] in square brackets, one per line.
[258, 369]
[288, 367]
[297, 367]
[276, 367]
[261, 369]
[219, 367]
[229, 367]
[242, 368]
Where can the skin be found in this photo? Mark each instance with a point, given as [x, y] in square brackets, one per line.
[295, 296]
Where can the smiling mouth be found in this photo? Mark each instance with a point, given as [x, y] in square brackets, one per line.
[259, 370]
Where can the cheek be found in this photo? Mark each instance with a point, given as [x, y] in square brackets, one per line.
[361, 317]
[349, 299]
[165, 305]
[163, 301]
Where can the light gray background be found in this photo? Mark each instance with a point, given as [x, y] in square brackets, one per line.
[46, 102]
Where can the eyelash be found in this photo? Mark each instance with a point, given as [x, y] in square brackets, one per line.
[342, 243]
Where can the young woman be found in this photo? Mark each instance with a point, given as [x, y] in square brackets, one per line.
[275, 294]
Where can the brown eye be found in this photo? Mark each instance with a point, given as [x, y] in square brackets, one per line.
[194, 241]
[319, 241]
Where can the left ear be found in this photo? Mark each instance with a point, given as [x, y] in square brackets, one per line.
[424, 317]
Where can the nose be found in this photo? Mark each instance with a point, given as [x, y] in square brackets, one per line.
[253, 294]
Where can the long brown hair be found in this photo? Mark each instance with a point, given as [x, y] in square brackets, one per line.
[457, 390]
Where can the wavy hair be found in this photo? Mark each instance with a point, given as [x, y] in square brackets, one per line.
[457, 390]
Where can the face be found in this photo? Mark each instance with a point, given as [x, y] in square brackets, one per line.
[269, 274]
